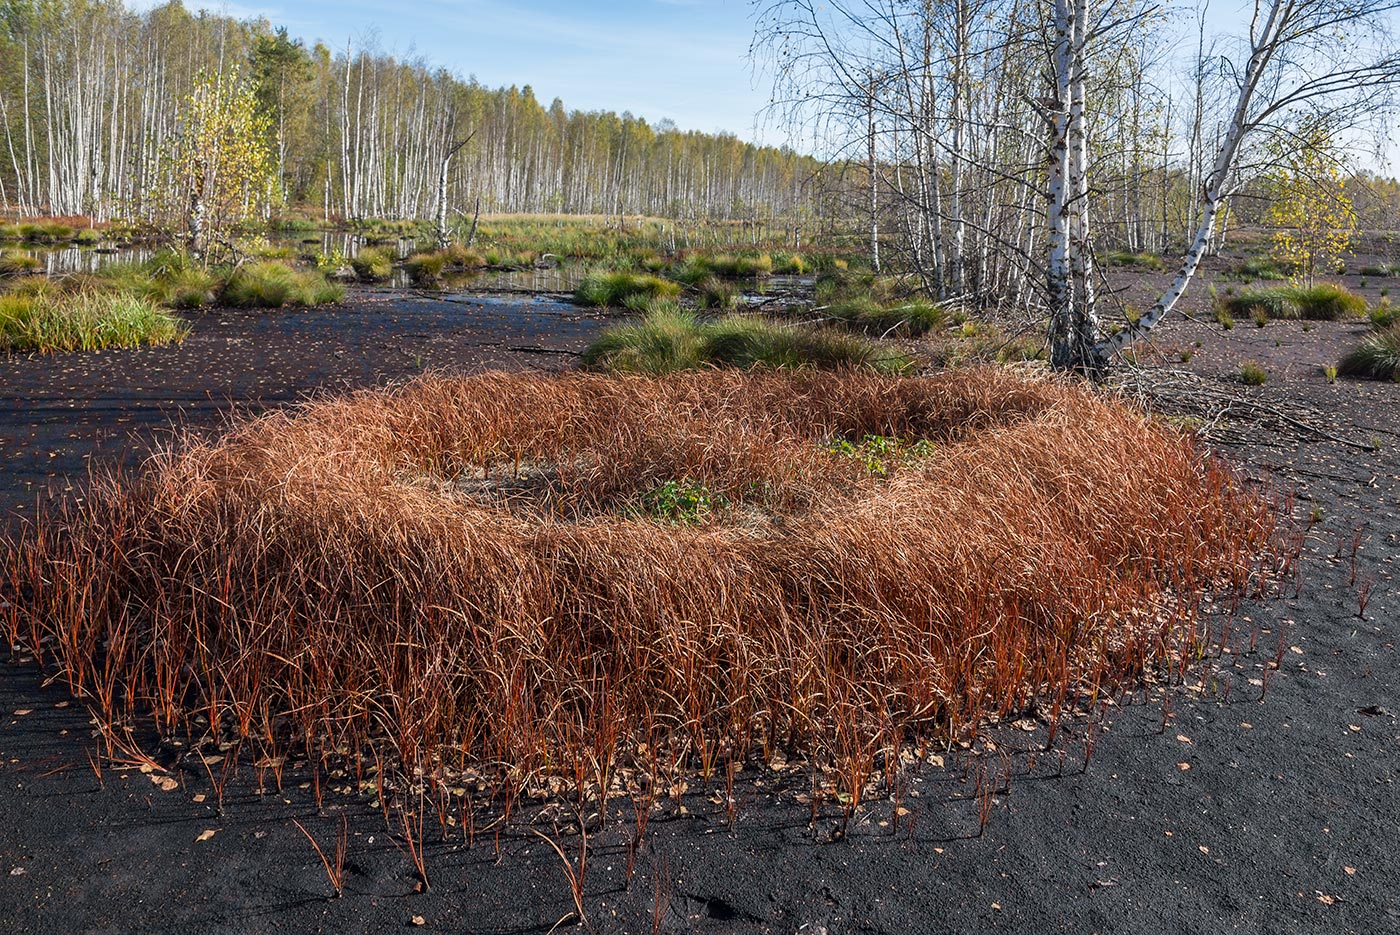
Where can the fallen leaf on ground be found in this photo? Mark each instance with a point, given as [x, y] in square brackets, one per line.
[1351, 871]
[1183, 738]
[206, 835]
[23, 711]
[165, 783]
[1183, 766]
[417, 920]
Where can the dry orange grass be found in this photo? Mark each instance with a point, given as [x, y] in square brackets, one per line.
[457, 569]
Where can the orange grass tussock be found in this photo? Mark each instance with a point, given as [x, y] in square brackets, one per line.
[466, 570]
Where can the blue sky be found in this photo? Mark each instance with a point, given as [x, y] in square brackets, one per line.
[682, 59]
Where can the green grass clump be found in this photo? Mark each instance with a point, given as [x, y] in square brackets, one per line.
[1252, 374]
[427, 266]
[1259, 268]
[168, 278]
[373, 265]
[1145, 261]
[50, 321]
[45, 232]
[14, 263]
[270, 284]
[1384, 315]
[621, 288]
[741, 266]
[790, 264]
[667, 340]
[1381, 269]
[1321, 302]
[87, 237]
[717, 293]
[1378, 357]
[913, 317]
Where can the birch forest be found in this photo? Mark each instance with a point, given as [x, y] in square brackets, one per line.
[90, 95]
[1009, 145]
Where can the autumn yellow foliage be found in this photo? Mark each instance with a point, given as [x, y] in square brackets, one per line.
[1315, 219]
[219, 169]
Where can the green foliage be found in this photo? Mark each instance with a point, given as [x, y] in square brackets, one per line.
[14, 263]
[631, 290]
[51, 321]
[1252, 374]
[45, 232]
[219, 170]
[717, 293]
[912, 318]
[1378, 357]
[270, 284]
[1381, 269]
[373, 265]
[789, 264]
[168, 278]
[1384, 314]
[1141, 261]
[682, 501]
[1321, 302]
[879, 452]
[1262, 268]
[668, 339]
[1309, 205]
[428, 266]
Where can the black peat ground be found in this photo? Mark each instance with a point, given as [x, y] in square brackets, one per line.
[1216, 812]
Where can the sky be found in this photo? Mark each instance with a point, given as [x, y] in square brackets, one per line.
[685, 60]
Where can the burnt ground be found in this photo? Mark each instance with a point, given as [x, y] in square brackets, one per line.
[1248, 799]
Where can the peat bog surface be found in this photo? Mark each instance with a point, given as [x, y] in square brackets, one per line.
[1266, 802]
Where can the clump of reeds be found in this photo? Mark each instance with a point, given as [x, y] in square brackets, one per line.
[622, 288]
[51, 321]
[428, 266]
[271, 284]
[473, 571]
[1376, 358]
[1321, 302]
[373, 264]
[668, 339]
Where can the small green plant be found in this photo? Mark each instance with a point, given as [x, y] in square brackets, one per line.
[1224, 319]
[682, 501]
[1259, 317]
[1330, 372]
[1315, 514]
[1252, 374]
[1185, 355]
[879, 452]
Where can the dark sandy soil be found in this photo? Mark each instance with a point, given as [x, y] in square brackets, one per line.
[1254, 800]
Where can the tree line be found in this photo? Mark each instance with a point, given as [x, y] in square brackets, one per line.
[93, 99]
[1008, 145]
